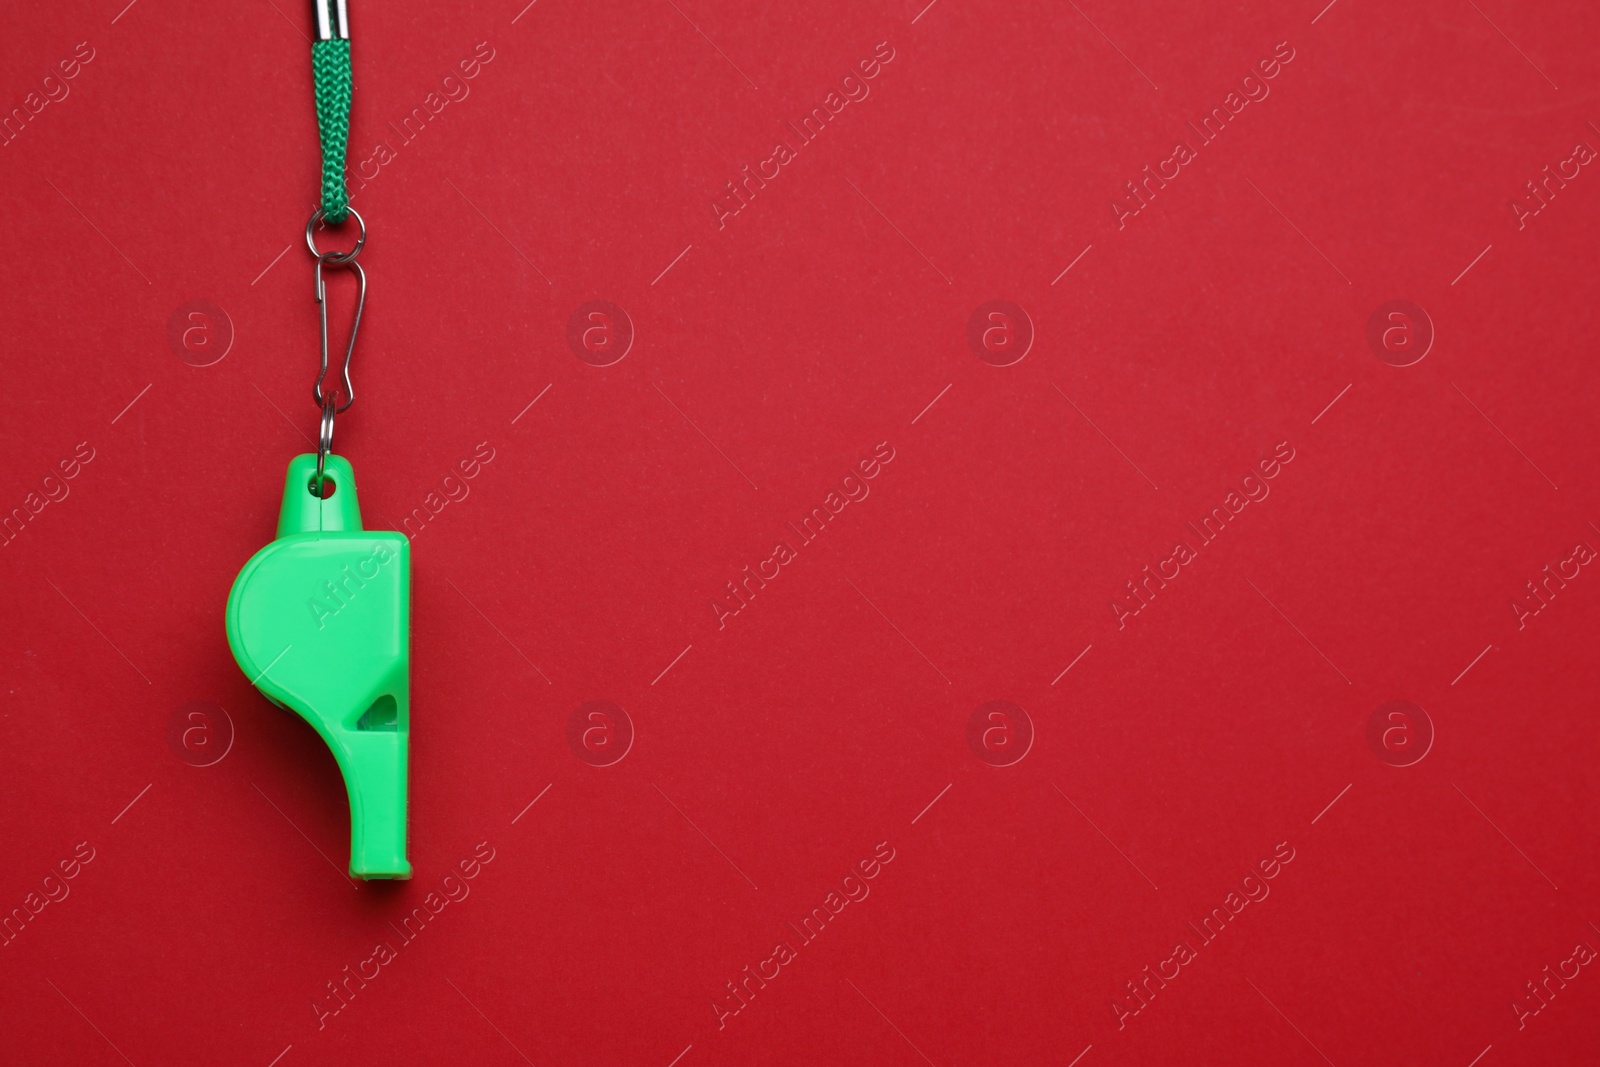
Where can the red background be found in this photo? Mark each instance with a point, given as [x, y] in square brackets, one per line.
[824, 718]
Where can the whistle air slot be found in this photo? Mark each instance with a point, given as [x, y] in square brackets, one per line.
[383, 715]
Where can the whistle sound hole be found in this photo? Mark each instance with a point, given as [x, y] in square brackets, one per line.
[383, 715]
[327, 486]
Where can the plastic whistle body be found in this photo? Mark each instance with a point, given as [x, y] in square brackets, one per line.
[320, 622]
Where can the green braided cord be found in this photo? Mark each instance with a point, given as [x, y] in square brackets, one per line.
[330, 66]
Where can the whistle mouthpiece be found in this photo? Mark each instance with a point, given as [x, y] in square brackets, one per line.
[320, 622]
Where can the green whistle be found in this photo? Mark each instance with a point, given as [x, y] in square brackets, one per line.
[320, 622]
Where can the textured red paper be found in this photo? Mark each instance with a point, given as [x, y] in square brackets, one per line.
[656, 379]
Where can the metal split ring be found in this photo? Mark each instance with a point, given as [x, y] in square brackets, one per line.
[324, 444]
[338, 259]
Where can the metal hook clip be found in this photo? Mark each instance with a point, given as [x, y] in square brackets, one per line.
[355, 328]
[333, 20]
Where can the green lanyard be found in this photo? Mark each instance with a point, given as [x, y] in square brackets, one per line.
[332, 84]
[330, 68]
